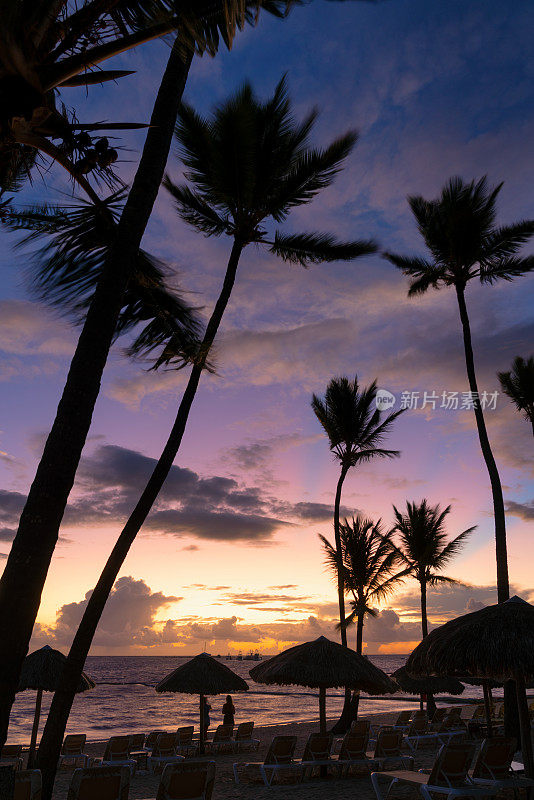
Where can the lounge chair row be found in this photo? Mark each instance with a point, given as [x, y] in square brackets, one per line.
[458, 773]
[188, 780]
[280, 757]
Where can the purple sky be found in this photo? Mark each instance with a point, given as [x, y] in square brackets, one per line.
[231, 554]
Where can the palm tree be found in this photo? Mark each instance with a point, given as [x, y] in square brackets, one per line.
[518, 384]
[46, 48]
[423, 550]
[249, 163]
[368, 563]
[25, 572]
[460, 232]
[355, 429]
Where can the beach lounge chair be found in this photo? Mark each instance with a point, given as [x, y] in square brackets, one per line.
[388, 749]
[454, 718]
[104, 783]
[164, 752]
[151, 738]
[11, 756]
[28, 785]
[72, 749]
[353, 752]
[359, 726]
[493, 765]
[440, 715]
[183, 742]
[117, 753]
[222, 739]
[448, 776]
[187, 780]
[419, 732]
[317, 752]
[279, 758]
[402, 723]
[243, 737]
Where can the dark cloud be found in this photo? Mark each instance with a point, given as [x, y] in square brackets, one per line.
[7, 534]
[448, 601]
[523, 510]
[257, 598]
[110, 481]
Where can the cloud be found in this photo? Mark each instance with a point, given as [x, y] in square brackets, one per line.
[29, 329]
[522, 510]
[128, 618]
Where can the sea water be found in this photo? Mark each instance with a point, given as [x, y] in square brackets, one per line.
[124, 700]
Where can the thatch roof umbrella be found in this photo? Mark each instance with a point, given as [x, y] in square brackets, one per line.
[496, 642]
[202, 675]
[323, 665]
[41, 670]
[420, 686]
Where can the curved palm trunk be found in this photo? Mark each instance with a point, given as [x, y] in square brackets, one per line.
[355, 700]
[430, 702]
[27, 566]
[503, 587]
[345, 719]
[58, 715]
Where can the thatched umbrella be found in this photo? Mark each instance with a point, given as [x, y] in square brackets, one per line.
[323, 665]
[202, 675]
[497, 643]
[41, 670]
[421, 686]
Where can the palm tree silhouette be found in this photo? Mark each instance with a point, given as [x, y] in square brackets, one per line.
[46, 49]
[355, 429]
[249, 162]
[518, 384]
[424, 550]
[465, 244]
[368, 563]
[27, 565]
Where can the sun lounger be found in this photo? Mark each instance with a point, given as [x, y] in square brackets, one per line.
[388, 749]
[164, 752]
[448, 776]
[183, 742]
[222, 739]
[117, 753]
[243, 737]
[493, 765]
[402, 723]
[440, 715]
[317, 753]
[28, 785]
[354, 753]
[279, 758]
[187, 780]
[72, 749]
[359, 726]
[150, 740]
[104, 783]
[11, 756]
[419, 732]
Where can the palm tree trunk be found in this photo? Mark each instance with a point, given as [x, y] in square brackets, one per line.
[503, 587]
[27, 566]
[355, 701]
[64, 695]
[430, 702]
[344, 721]
[511, 715]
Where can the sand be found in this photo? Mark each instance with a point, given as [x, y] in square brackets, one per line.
[143, 786]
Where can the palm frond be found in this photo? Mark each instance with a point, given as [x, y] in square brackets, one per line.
[316, 248]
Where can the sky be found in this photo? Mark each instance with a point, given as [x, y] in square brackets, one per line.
[230, 558]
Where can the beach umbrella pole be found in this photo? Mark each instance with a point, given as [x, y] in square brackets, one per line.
[487, 706]
[322, 710]
[202, 731]
[35, 729]
[524, 725]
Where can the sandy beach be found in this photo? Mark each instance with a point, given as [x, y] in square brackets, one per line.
[144, 786]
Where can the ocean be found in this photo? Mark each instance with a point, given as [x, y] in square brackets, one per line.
[124, 700]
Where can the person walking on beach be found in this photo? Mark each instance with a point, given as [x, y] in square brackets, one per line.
[206, 715]
[228, 711]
